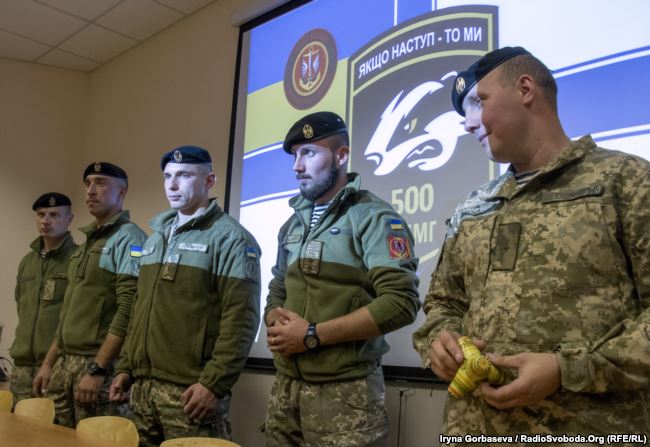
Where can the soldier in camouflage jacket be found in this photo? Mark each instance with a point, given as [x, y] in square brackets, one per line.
[547, 268]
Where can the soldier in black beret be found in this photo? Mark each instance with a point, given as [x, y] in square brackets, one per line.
[97, 303]
[200, 276]
[344, 277]
[545, 267]
[41, 283]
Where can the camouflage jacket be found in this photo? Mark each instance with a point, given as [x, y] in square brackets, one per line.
[561, 264]
[103, 276]
[359, 253]
[40, 288]
[197, 309]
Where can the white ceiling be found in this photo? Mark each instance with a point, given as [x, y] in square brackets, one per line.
[83, 34]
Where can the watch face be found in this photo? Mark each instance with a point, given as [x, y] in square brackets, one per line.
[311, 342]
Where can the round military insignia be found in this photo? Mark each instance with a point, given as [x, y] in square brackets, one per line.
[460, 85]
[399, 247]
[98, 167]
[307, 131]
[52, 201]
[178, 157]
[310, 69]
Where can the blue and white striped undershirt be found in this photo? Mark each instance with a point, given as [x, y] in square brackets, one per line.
[524, 177]
[317, 212]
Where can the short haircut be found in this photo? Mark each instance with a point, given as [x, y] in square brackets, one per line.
[512, 69]
[337, 140]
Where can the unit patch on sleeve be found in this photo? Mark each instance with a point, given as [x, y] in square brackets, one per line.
[399, 247]
[250, 269]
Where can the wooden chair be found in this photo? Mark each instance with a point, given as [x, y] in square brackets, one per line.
[6, 401]
[40, 408]
[113, 428]
[198, 442]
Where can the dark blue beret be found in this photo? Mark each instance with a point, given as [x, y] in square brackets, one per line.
[468, 78]
[313, 127]
[105, 168]
[51, 199]
[186, 154]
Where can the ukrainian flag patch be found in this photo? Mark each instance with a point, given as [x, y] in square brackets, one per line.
[136, 251]
[251, 252]
[396, 224]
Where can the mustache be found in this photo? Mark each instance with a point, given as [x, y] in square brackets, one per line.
[302, 176]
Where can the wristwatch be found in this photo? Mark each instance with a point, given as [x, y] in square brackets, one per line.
[311, 339]
[94, 369]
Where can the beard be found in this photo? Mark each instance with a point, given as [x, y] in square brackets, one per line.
[316, 190]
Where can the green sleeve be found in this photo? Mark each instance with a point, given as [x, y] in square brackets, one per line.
[238, 285]
[128, 249]
[390, 271]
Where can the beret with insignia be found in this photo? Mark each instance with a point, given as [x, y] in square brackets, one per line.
[314, 127]
[186, 154]
[468, 78]
[51, 199]
[105, 168]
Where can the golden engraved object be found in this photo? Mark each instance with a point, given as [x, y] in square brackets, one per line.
[474, 369]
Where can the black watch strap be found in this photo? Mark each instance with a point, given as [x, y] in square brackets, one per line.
[95, 370]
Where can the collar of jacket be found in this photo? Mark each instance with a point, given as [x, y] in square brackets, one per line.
[120, 218]
[354, 185]
[576, 151]
[37, 244]
[164, 220]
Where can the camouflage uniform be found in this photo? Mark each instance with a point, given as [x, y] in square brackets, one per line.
[366, 260]
[66, 374]
[560, 265]
[194, 320]
[102, 282]
[158, 413]
[40, 287]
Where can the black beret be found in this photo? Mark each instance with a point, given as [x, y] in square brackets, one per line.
[468, 78]
[105, 168]
[186, 154]
[51, 199]
[313, 127]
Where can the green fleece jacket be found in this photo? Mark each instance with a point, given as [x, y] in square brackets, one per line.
[103, 276]
[359, 254]
[197, 308]
[40, 287]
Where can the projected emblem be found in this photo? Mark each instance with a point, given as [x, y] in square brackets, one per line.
[426, 147]
[408, 143]
[310, 69]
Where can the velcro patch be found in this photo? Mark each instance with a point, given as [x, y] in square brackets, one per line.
[396, 224]
[136, 251]
[399, 247]
[203, 248]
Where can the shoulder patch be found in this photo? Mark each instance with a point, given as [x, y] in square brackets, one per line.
[396, 224]
[136, 251]
[399, 247]
[251, 263]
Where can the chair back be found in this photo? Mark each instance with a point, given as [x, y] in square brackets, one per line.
[6, 401]
[113, 428]
[40, 408]
[198, 442]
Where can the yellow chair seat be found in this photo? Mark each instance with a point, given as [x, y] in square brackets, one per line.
[40, 408]
[113, 428]
[198, 442]
[6, 401]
